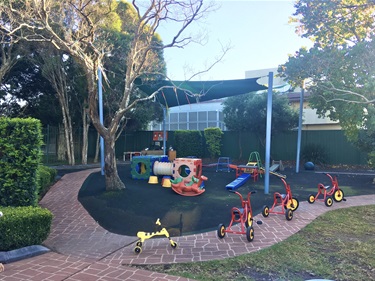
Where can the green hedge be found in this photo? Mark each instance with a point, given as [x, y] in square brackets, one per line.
[23, 226]
[213, 140]
[20, 157]
[188, 143]
[46, 177]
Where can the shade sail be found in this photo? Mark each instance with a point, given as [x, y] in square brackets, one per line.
[176, 93]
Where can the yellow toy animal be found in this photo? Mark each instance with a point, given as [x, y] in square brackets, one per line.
[147, 235]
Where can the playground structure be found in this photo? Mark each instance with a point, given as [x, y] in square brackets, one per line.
[253, 169]
[288, 203]
[329, 193]
[188, 188]
[160, 231]
[243, 216]
[186, 173]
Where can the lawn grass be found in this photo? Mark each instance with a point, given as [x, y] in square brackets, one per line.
[339, 245]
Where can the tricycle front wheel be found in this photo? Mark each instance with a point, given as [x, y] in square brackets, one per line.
[292, 204]
[249, 220]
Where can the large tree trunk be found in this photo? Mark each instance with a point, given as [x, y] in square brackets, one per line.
[97, 149]
[112, 179]
[85, 138]
[68, 132]
[61, 145]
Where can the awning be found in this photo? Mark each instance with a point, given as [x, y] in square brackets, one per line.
[175, 93]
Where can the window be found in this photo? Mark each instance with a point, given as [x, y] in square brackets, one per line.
[193, 116]
[212, 115]
[193, 126]
[173, 127]
[202, 126]
[202, 116]
[183, 117]
[173, 118]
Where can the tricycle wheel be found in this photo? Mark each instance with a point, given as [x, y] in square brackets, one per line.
[292, 204]
[311, 199]
[288, 214]
[221, 231]
[137, 250]
[139, 244]
[249, 220]
[266, 211]
[173, 244]
[328, 201]
[250, 233]
[338, 195]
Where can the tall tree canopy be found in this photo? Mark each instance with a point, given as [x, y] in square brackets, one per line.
[80, 29]
[339, 70]
[249, 113]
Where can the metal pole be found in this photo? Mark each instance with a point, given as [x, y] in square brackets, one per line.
[300, 126]
[268, 134]
[164, 131]
[100, 92]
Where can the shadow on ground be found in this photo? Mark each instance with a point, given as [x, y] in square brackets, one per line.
[140, 204]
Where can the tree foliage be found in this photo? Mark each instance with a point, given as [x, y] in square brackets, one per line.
[338, 71]
[335, 22]
[249, 113]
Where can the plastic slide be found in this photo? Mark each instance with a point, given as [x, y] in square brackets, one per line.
[238, 182]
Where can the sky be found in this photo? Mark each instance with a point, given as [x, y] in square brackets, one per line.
[257, 31]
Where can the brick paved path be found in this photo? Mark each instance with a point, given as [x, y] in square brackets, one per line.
[82, 250]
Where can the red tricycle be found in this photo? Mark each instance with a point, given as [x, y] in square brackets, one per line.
[328, 193]
[243, 215]
[287, 202]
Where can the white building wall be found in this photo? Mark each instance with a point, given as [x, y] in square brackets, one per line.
[193, 117]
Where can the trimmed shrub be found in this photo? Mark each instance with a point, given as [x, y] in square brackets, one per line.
[46, 177]
[189, 143]
[23, 226]
[213, 141]
[20, 156]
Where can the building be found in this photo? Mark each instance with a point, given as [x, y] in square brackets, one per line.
[193, 117]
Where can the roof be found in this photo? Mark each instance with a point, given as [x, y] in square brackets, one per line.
[176, 93]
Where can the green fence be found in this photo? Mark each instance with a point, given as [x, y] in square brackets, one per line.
[283, 147]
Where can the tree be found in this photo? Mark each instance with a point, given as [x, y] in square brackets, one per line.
[79, 28]
[249, 113]
[334, 22]
[339, 70]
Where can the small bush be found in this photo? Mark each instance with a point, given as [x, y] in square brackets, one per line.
[189, 143]
[213, 141]
[314, 153]
[23, 226]
[46, 177]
